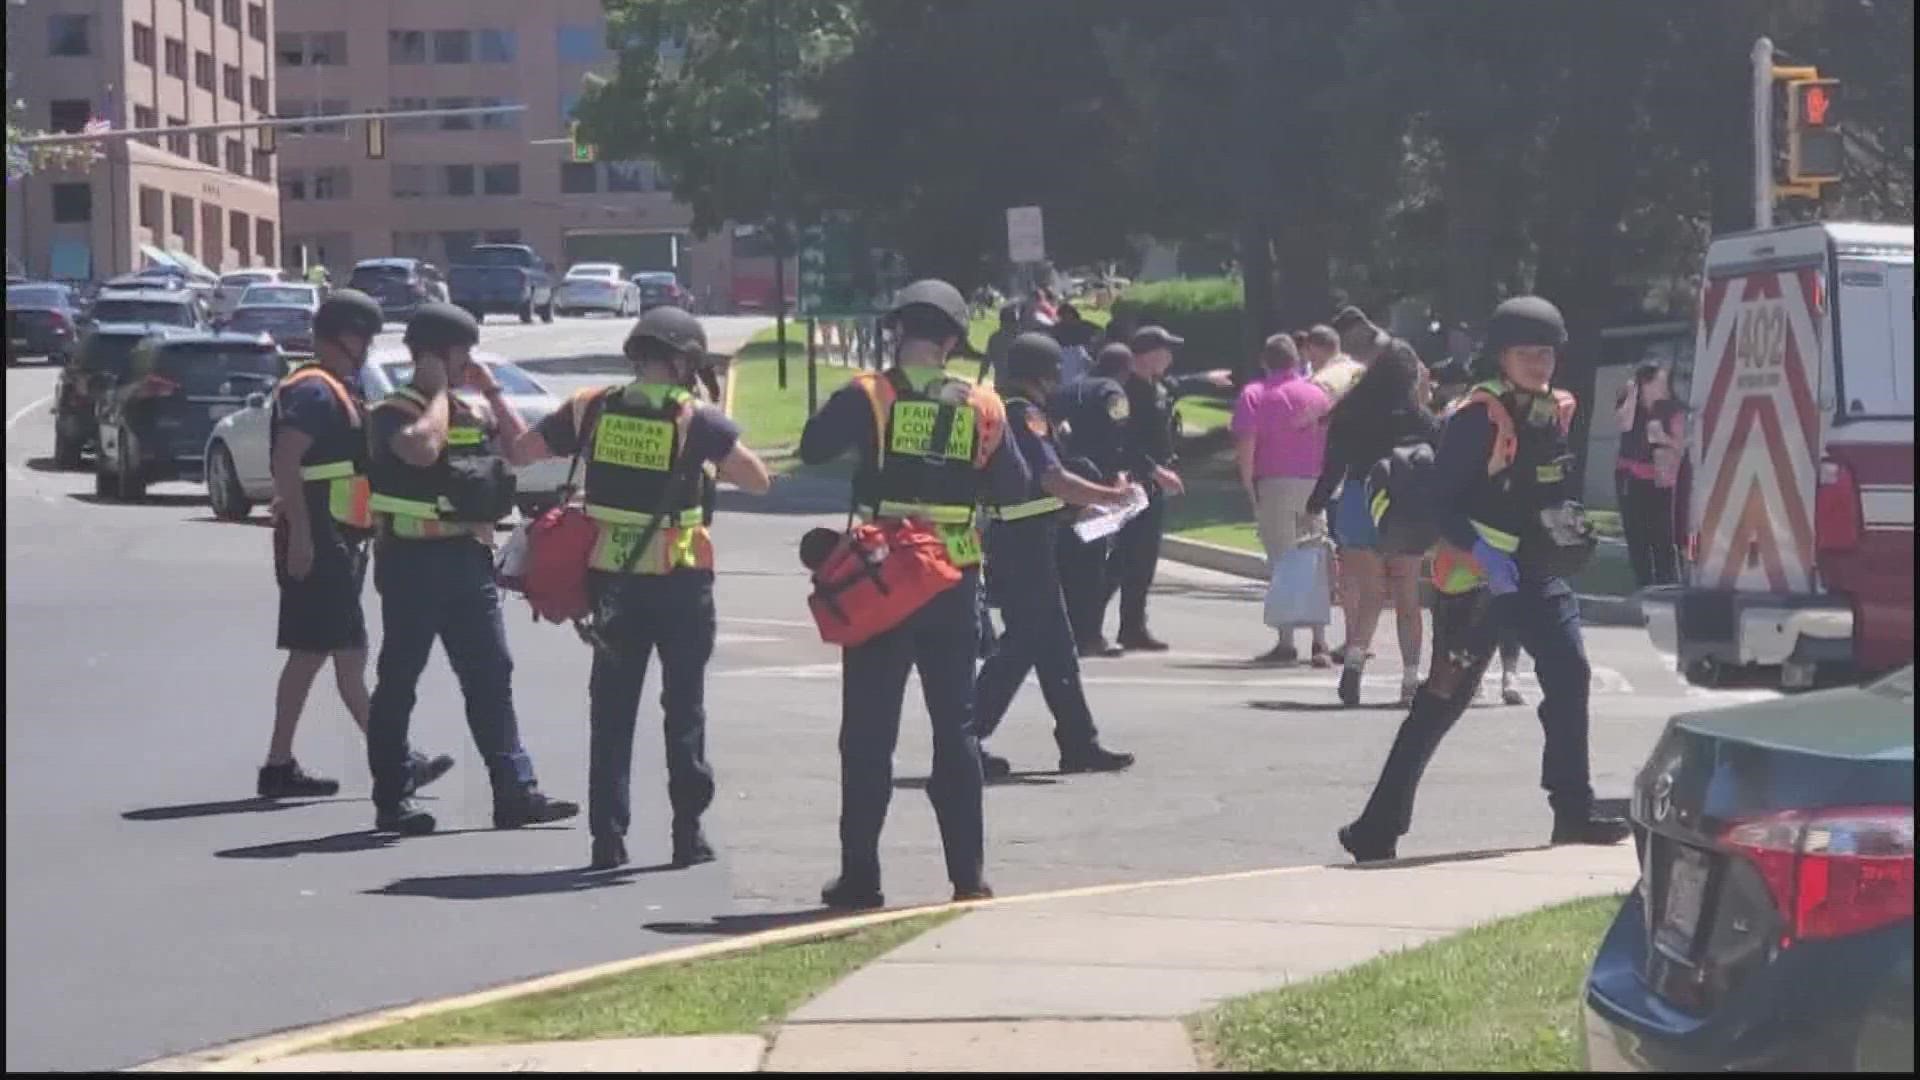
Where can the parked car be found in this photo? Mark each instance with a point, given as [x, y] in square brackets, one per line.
[290, 326]
[99, 365]
[43, 319]
[233, 286]
[154, 425]
[1772, 928]
[503, 279]
[238, 462]
[400, 285]
[597, 287]
[297, 294]
[661, 287]
[166, 307]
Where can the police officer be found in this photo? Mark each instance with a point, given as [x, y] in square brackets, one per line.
[942, 485]
[1090, 416]
[651, 578]
[1452, 385]
[1511, 533]
[320, 527]
[439, 485]
[1023, 574]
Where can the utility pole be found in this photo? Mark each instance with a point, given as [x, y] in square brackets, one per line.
[1763, 133]
[779, 219]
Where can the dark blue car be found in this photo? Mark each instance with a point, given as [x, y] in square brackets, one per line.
[1772, 928]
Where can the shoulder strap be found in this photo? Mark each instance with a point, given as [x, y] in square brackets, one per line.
[1505, 444]
[309, 371]
[586, 406]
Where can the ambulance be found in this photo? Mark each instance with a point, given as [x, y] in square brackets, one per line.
[1798, 514]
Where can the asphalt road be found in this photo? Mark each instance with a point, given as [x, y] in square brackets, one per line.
[154, 907]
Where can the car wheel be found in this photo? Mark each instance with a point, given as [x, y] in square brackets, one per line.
[224, 493]
[66, 451]
[546, 313]
[526, 312]
[129, 485]
[102, 480]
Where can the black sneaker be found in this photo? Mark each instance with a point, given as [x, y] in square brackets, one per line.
[423, 770]
[1278, 656]
[1349, 686]
[532, 808]
[1099, 649]
[609, 852]
[1366, 849]
[690, 847]
[844, 894]
[1095, 758]
[968, 893]
[993, 766]
[1143, 642]
[1590, 829]
[290, 781]
[405, 818]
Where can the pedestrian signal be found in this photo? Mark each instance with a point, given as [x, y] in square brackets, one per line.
[577, 151]
[1816, 151]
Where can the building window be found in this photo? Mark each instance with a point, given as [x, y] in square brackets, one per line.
[180, 209]
[412, 245]
[496, 46]
[239, 231]
[177, 144]
[327, 107]
[287, 110]
[206, 148]
[630, 176]
[457, 179]
[327, 48]
[409, 104]
[230, 13]
[237, 157]
[70, 35]
[72, 203]
[505, 121]
[176, 58]
[409, 181]
[580, 44]
[257, 22]
[290, 48]
[263, 238]
[454, 123]
[500, 179]
[293, 185]
[406, 46]
[203, 70]
[579, 179]
[143, 44]
[150, 208]
[333, 182]
[501, 236]
[458, 243]
[257, 93]
[452, 46]
[144, 117]
[68, 114]
[204, 7]
[230, 83]
[263, 166]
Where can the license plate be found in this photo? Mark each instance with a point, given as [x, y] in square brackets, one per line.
[1686, 895]
[219, 411]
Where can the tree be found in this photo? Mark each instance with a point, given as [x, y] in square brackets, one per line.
[24, 160]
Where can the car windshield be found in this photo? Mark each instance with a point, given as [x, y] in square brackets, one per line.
[609, 273]
[165, 312]
[655, 279]
[485, 256]
[512, 380]
[205, 369]
[42, 296]
[370, 275]
[276, 294]
[108, 354]
[245, 279]
[272, 320]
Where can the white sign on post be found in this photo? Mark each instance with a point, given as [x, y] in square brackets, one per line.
[1026, 237]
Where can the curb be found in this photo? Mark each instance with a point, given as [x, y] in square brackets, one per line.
[1594, 610]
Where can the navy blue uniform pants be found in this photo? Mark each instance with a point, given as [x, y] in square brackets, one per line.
[1083, 581]
[1545, 617]
[671, 615]
[939, 641]
[442, 589]
[1136, 553]
[1038, 636]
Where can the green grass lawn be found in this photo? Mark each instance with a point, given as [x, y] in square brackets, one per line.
[1501, 998]
[737, 994]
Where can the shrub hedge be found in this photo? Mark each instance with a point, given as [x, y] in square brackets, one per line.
[1208, 312]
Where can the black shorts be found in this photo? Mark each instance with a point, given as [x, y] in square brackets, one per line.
[322, 614]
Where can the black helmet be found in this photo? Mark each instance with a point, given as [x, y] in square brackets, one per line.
[1524, 320]
[348, 311]
[441, 326]
[673, 327]
[942, 297]
[1033, 356]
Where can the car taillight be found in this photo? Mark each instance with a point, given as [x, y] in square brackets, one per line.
[1836, 508]
[1832, 872]
[157, 386]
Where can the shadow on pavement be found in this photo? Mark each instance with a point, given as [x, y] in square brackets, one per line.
[347, 843]
[258, 521]
[1019, 779]
[1440, 860]
[732, 925]
[231, 806]
[168, 499]
[505, 885]
[1309, 706]
[46, 464]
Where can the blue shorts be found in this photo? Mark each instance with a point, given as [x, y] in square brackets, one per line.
[1353, 521]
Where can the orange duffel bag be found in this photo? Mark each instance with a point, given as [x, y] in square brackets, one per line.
[873, 577]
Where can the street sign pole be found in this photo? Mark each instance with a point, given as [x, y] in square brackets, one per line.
[1763, 133]
[813, 363]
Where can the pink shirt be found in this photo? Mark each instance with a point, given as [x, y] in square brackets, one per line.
[1282, 415]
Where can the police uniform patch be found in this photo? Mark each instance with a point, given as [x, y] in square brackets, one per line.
[1117, 407]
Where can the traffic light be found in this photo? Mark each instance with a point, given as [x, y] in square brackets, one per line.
[577, 151]
[1816, 151]
[376, 138]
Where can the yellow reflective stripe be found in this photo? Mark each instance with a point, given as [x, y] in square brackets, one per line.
[944, 514]
[614, 516]
[331, 470]
[464, 436]
[1378, 506]
[1028, 509]
[1506, 543]
[689, 548]
[393, 504]
[347, 501]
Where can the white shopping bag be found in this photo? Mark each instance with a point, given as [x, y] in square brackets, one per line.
[1098, 522]
[1300, 593]
[511, 563]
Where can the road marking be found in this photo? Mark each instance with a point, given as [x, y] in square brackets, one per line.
[1605, 680]
[724, 638]
[802, 623]
[21, 415]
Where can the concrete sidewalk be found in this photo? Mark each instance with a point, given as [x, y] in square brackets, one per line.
[1092, 981]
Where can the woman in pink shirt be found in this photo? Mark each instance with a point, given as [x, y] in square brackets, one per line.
[1279, 442]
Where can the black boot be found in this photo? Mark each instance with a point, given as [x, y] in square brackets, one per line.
[1364, 847]
[609, 852]
[1350, 685]
[846, 893]
[1094, 758]
[404, 817]
[979, 890]
[1589, 828]
[1099, 648]
[290, 781]
[993, 766]
[690, 847]
[530, 807]
[1141, 641]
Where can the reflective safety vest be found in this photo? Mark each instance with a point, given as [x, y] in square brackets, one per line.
[339, 464]
[637, 438]
[411, 502]
[1037, 504]
[1528, 469]
[934, 440]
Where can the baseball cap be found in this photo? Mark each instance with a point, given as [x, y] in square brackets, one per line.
[1153, 337]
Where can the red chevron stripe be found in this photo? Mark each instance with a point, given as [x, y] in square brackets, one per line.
[1753, 532]
[1761, 412]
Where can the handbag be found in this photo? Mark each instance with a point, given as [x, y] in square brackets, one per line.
[1300, 591]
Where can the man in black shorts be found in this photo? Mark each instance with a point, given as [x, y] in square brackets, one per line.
[320, 525]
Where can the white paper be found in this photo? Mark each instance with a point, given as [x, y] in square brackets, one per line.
[1104, 521]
